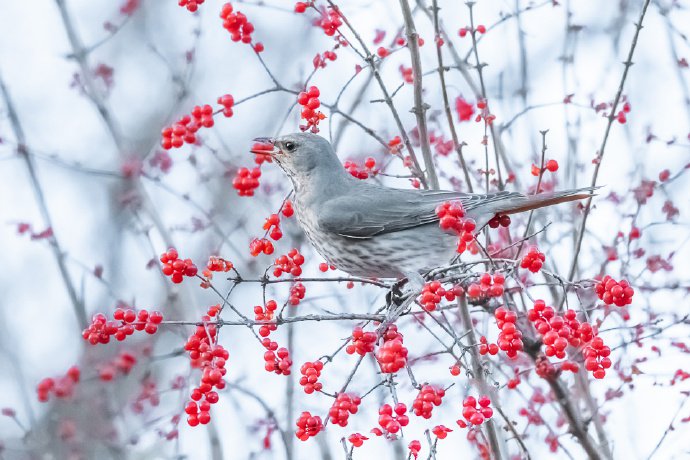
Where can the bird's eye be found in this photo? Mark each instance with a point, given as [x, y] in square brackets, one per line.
[290, 146]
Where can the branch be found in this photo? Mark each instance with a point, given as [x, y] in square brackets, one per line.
[495, 438]
[670, 427]
[627, 64]
[420, 107]
[492, 129]
[370, 58]
[58, 253]
[446, 103]
[576, 426]
[269, 413]
[80, 54]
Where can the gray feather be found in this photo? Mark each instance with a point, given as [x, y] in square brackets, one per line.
[371, 210]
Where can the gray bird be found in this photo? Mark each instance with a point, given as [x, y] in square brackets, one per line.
[372, 231]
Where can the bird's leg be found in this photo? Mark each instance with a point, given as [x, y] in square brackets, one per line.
[395, 294]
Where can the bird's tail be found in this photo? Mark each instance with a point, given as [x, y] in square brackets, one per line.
[516, 202]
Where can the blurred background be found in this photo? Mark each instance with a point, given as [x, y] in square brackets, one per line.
[89, 200]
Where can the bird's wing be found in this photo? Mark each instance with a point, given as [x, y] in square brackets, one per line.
[378, 210]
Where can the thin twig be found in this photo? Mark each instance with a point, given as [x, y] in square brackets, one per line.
[446, 103]
[420, 107]
[371, 60]
[600, 154]
[58, 253]
[495, 437]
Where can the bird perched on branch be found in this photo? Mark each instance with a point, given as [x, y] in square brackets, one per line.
[373, 231]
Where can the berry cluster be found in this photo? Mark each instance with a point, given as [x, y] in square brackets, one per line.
[125, 322]
[486, 347]
[320, 60]
[258, 246]
[290, 263]
[513, 383]
[287, 209]
[499, 220]
[533, 260]
[149, 392]
[262, 152]
[489, 286]
[236, 23]
[395, 145]
[184, 131]
[276, 359]
[308, 425]
[550, 166]
[634, 234]
[362, 173]
[161, 160]
[433, 293]
[330, 21]
[475, 411]
[392, 355]
[451, 218]
[621, 113]
[310, 376]
[357, 439]
[266, 314]
[597, 358]
[362, 342]
[272, 226]
[62, 387]
[428, 397]
[123, 363]
[614, 292]
[484, 113]
[297, 292]
[442, 146]
[309, 100]
[227, 101]
[414, 446]
[559, 331]
[344, 405]
[463, 31]
[441, 431]
[205, 353]
[246, 180]
[510, 337]
[191, 5]
[544, 368]
[215, 264]
[324, 267]
[392, 423]
[406, 73]
[176, 268]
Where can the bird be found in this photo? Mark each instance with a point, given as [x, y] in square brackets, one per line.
[373, 231]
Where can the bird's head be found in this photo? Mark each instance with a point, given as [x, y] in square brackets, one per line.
[301, 155]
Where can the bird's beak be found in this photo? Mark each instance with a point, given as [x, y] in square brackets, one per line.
[264, 146]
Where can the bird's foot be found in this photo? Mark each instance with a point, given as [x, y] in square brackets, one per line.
[395, 295]
[413, 282]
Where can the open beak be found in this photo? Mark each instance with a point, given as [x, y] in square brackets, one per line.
[264, 146]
